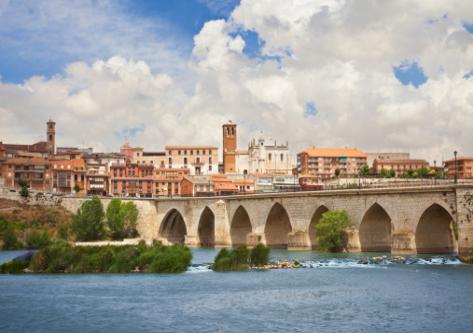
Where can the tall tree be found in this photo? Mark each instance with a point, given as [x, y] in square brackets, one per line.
[88, 224]
[365, 170]
[115, 220]
[130, 216]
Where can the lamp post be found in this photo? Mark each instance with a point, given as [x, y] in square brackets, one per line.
[435, 174]
[455, 153]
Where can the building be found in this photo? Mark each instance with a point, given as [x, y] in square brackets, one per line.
[84, 151]
[36, 171]
[464, 165]
[98, 178]
[126, 149]
[259, 158]
[196, 186]
[386, 156]
[324, 161]
[167, 181]
[285, 182]
[224, 185]
[67, 174]
[132, 179]
[310, 183]
[229, 147]
[400, 166]
[262, 181]
[245, 186]
[199, 159]
[51, 138]
[25, 151]
[104, 158]
[156, 158]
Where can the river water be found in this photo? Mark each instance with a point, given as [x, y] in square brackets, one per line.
[428, 296]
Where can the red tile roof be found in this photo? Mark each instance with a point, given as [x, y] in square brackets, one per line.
[333, 152]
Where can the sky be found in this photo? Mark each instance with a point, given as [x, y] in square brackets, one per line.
[379, 76]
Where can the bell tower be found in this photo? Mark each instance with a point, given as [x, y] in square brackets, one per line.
[51, 138]
[229, 147]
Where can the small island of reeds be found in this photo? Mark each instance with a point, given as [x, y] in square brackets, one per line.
[240, 258]
[65, 258]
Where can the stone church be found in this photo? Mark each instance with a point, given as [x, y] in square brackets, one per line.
[259, 158]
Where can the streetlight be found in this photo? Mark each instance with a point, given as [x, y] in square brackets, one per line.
[435, 174]
[455, 153]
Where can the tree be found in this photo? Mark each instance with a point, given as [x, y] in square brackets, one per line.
[87, 224]
[337, 172]
[24, 192]
[77, 188]
[10, 242]
[115, 220]
[392, 173]
[130, 216]
[410, 173]
[422, 171]
[415, 175]
[331, 230]
[22, 182]
[383, 173]
[365, 170]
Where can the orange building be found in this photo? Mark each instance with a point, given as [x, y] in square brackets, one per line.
[229, 147]
[195, 186]
[97, 179]
[323, 162]
[200, 159]
[66, 174]
[464, 165]
[400, 166]
[167, 181]
[36, 171]
[223, 185]
[245, 186]
[132, 179]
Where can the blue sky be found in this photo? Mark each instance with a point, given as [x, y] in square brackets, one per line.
[31, 46]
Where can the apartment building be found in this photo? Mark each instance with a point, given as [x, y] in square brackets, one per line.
[66, 174]
[156, 158]
[464, 165]
[199, 159]
[197, 186]
[132, 179]
[386, 156]
[400, 166]
[223, 185]
[36, 171]
[98, 179]
[167, 181]
[324, 161]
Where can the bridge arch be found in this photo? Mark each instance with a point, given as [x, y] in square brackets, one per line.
[313, 222]
[375, 230]
[206, 228]
[173, 227]
[278, 226]
[434, 232]
[240, 226]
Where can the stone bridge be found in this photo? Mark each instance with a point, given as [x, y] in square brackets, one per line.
[436, 219]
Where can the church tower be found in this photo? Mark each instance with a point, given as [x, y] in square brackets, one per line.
[229, 147]
[51, 138]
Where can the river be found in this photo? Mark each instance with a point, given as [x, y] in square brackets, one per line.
[341, 296]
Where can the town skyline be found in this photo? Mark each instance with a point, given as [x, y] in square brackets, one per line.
[311, 73]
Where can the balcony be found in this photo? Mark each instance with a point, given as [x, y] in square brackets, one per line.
[197, 163]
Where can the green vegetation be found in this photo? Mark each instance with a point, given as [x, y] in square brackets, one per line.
[10, 241]
[22, 182]
[392, 173]
[239, 258]
[410, 173]
[337, 172]
[63, 231]
[121, 219]
[35, 240]
[88, 224]
[24, 192]
[422, 171]
[296, 263]
[331, 230]
[383, 173]
[113, 259]
[365, 170]
[77, 188]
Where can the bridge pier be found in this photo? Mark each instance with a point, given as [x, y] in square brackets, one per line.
[464, 222]
[403, 242]
[297, 241]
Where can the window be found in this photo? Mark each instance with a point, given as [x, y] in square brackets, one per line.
[197, 152]
[170, 160]
[170, 152]
[233, 133]
[138, 154]
[269, 157]
[50, 126]
[210, 167]
[282, 157]
[203, 152]
[133, 173]
[228, 131]
[185, 152]
[50, 137]
[210, 152]
[129, 173]
[178, 152]
[192, 152]
[185, 160]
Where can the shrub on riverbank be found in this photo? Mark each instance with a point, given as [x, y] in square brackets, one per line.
[88, 224]
[113, 259]
[331, 230]
[10, 241]
[239, 258]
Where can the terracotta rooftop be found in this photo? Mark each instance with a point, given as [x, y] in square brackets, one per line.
[404, 161]
[333, 152]
[199, 180]
[39, 147]
[460, 158]
[35, 160]
[190, 147]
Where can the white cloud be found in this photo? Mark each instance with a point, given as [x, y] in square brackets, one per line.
[338, 55]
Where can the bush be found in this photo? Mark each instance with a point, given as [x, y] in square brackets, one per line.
[35, 240]
[259, 255]
[22, 182]
[63, 231]
[234, 260]
[115, 221]
[10, 242]
[331, 230]
[24, 192]
[129, 212]
[112, 259]
[13, 267]
[88, 222]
